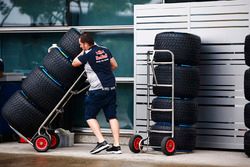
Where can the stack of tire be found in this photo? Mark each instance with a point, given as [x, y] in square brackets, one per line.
[44, 87]
[186, 49]
[247, 96]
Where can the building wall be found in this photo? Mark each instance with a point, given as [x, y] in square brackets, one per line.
[26, 44]
[222, 27]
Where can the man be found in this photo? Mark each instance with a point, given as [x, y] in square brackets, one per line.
[99, 64]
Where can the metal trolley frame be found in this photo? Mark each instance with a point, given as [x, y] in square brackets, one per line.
[136, 142]
[45, 138]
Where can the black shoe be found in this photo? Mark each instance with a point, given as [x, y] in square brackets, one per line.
[100, 147]
[114, 150]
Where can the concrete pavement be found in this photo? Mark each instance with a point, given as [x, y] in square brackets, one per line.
[127, 159]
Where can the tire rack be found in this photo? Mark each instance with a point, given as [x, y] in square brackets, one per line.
[168, 143]
[59, 108]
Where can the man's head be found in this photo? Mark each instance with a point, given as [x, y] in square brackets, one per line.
[86, 41]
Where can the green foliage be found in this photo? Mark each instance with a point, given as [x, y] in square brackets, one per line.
[4, 8]
[40, 11]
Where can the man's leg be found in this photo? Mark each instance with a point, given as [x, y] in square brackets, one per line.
[115, 149]
[110, 114]
[102, 144]
[114, 124]
[94, 125]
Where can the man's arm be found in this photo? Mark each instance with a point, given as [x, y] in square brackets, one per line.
[76, 62]
[113, 63]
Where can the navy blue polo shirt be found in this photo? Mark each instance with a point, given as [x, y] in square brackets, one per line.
[98, 67]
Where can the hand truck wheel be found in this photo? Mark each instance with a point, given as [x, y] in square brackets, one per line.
[55, 140]
[134, 143]
[168, 146]
[41, 143]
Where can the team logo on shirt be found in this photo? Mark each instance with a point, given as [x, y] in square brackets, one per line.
[101, 56]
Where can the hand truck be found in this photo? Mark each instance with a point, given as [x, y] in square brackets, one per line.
[45, 138]
[168, 145]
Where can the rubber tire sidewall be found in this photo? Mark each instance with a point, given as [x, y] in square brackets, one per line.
[185, 111]
[247, 84]
[48, 146]
[22, 115]
[247, 115]
[247, 143]
[131, 143]
[43, 91]
[185, 137]
[247, 50]
[185, 47]
[57, 141]
[69, 43]
[61, 68]
[188, 75]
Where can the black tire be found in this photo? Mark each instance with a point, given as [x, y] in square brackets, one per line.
[247, 84]
[61, 68]
[247, 115]
[185, 137]
[186, 47]
[55, 140]
[247, 50]
[41, 143]
[168, 146]
[187, 81]
[134, 143]
[42, 90]
[22, 115]
[185, 111]
[69, 43]
[247, 143]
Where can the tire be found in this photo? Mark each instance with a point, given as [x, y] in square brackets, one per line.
[185, 137]
[247, 84]
[186, 47]
[247, 50]
[55, 140]
[22, 115]
[247, 143]
[41, 143]
[168, 146]
[185, 111]
[69, 43]
[247, 115]
[188, 75]
[42, 90]
[134, 143]
[61, 68]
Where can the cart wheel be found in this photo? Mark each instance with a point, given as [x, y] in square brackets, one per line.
[41, 143]
[134, 143]
[55, 140]
[168, 145]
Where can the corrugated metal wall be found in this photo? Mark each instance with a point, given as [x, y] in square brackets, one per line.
[222, 26]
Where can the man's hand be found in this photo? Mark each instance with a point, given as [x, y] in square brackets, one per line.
[113, 63]
[76, 62]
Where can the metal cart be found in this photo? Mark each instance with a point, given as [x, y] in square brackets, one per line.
[45, 138]
[168, 145]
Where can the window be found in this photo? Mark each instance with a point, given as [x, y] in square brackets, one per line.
[28, 13]
[105, 12]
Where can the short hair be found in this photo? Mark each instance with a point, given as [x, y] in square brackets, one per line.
[86, 37]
